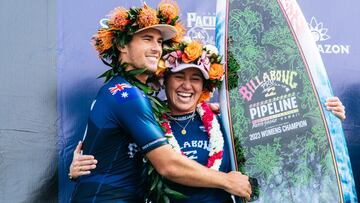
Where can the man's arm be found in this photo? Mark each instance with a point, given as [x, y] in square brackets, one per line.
[176, 168]
[185, 171]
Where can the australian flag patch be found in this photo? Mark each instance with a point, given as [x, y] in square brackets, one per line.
[123, 92]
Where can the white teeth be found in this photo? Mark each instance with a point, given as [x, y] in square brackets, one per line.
[184, 94]
[152, 57]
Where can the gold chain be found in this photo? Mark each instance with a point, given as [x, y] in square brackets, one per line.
[183, 131]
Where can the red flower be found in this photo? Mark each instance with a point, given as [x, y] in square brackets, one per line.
[214, 157]
[208, 117]
[167, 127]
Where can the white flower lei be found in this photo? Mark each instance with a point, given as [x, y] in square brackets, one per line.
[215, 135]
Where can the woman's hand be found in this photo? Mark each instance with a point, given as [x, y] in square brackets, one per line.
[215, 107]
[334, 105]
[81, 164]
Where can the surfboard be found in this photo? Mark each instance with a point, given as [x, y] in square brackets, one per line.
[272, 105]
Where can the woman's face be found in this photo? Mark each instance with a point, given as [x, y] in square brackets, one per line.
[183, 90]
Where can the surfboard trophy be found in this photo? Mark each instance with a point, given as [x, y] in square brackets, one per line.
[272, 105]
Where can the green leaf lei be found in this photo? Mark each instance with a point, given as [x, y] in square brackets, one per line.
[157, 188]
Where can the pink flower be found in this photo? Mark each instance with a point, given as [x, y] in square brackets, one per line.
[172, 59]
[204, 61]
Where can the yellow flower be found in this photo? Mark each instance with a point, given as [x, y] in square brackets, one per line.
[119, 18]
[102, 40]
[192, 52]
[147, 17]
[180, 32]
[161, 68]
[169, 9]
[216, 71]
[204, 97]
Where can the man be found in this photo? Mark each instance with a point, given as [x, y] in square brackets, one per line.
[122, 120]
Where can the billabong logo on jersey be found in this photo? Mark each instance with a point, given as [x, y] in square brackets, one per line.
[133, 148]
[119, 88]
[320, 35]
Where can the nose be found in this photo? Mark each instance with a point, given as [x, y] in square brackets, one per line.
[156, 47]
[186, 84]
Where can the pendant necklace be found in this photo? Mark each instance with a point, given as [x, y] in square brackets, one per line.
[183, 131]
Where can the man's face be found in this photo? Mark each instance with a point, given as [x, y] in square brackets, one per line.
[183, 90]
[144, 50]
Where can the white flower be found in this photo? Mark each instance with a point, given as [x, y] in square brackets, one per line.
[186, 39]
[211, 49]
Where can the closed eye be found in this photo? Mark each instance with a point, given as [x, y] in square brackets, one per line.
[179, 76]
[196, 78]
[146, 38]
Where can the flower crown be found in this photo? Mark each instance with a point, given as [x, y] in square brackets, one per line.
[123, 23]
[193, 52]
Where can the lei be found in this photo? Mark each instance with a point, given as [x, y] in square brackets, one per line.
[212, 128]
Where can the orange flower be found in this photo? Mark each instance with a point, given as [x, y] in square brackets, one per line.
[192, 52]
[161, 68]
[180, 32]
[119, 18]
[169, 9]
[102, 40]
[216, 71]
[147, 17]
[205, 96]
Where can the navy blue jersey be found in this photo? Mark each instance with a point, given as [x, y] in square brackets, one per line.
[195, 145]
[121, 124]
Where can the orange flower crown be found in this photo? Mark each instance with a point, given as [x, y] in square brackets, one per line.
[123, 23]
[205, 57]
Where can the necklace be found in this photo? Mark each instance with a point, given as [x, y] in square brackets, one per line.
[183, 131]
[212, 128]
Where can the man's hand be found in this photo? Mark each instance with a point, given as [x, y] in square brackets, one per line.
[334, 105]
[81, 164]
[239, 184]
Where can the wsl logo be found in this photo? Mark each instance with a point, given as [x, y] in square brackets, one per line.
[199, 27]
[320, 35]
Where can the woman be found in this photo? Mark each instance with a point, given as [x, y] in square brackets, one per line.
[193, 72]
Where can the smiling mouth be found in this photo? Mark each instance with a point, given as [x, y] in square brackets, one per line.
[153, 58]
[184, 94]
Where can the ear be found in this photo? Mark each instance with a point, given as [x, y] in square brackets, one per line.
[123, 49]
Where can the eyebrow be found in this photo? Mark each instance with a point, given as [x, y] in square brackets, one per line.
[182, 72]
[198, 74]
[151, 36]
